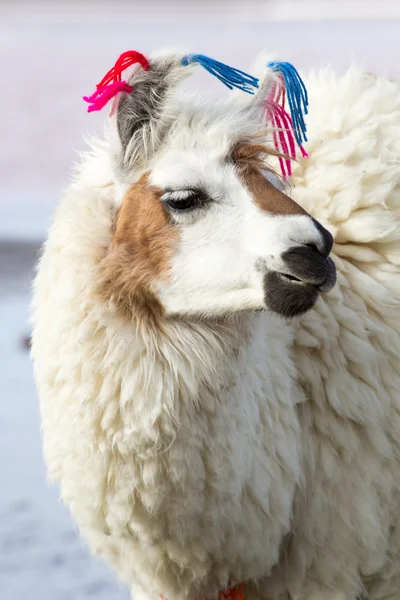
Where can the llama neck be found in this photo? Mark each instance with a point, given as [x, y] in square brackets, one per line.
[169, 378]
[170, 375]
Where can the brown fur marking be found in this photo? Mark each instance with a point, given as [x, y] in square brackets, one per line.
[251, 153]
[140, 253]
[251, 159]
[268, 197]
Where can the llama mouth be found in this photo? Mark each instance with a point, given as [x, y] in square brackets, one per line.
[291, 296]
[322, 283]
[292, 279]
[325, 286]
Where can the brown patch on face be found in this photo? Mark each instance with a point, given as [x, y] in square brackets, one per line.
[140, 254]
[267, 196]
[251, 159]
[252, 152]
[247, 154]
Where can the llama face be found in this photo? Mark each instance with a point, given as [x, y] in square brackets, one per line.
[203, 232]
[241, 243]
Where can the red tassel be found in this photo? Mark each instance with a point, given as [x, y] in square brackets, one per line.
[112, 83]
[127, 59]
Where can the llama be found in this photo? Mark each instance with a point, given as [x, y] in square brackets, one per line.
[221, 418]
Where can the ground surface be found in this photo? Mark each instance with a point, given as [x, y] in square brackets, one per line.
[41, 557]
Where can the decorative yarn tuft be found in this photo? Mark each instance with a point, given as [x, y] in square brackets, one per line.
[112, 83]
[230, 76]
[288, 128]
[296, 93]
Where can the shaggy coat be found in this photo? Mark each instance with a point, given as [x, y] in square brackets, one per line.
[200, 451]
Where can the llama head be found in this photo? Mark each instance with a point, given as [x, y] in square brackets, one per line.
[200, 230]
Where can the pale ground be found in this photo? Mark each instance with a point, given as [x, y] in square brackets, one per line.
[41, 557]
[46, 67]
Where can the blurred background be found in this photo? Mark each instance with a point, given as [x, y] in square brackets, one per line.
[51, 54]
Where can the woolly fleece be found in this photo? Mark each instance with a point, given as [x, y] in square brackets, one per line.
[262, 451]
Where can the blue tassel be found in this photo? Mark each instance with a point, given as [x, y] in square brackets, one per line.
[228, 75]
[297, 97]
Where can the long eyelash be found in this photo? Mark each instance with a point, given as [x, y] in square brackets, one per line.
[183, 194]
[177, 195]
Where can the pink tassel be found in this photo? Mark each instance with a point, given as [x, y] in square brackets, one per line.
[283, 134]
[105, 93]
[303, 152]
[283, 137]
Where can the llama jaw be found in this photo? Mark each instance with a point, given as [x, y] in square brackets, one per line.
[288, 297]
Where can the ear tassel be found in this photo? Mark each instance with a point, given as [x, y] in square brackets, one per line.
[297, 97]
[127, 59]
[104, 94]
[283, 138]
[291, 86]
[230, 76]
[288, 128]
[112, 83]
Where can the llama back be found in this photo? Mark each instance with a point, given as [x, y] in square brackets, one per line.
[351, 181]
[347, 348]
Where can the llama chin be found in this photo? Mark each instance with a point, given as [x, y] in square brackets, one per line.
[206, 446]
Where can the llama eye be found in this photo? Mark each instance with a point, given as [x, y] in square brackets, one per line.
[181, 200]
[184, 204]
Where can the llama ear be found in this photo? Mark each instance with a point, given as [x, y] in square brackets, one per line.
[141, 118]
[141, 113]
[280, 83]
[267, 79]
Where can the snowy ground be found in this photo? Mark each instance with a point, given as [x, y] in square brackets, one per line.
[41, 557]
[47, 64]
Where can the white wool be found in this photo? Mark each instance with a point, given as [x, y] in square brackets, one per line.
[261, 450]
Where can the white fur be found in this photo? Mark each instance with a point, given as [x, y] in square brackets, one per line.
[260, 450]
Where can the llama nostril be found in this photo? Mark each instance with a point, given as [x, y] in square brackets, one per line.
[327, 240]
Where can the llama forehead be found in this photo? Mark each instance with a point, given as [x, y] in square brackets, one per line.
[180, 168]
[210, 129]
[215, 120]
[198, 150]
